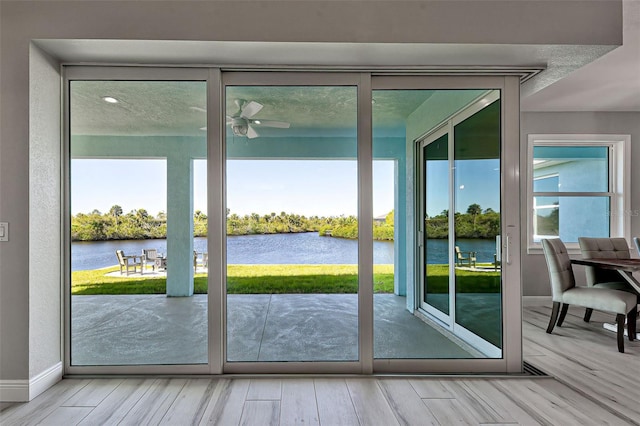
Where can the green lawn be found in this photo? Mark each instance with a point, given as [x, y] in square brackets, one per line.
[276, 279]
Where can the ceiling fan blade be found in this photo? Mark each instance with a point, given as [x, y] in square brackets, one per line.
[250, 109]
[271, 123]
[251, 132]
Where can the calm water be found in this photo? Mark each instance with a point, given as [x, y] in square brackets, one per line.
[304, 248]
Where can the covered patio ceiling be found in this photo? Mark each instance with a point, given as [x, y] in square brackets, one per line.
[162, 108]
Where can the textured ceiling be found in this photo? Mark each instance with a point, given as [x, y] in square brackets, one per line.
[179, 108]
[144, 108]
[610, 83]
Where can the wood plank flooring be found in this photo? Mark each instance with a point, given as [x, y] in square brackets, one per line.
[592, 384]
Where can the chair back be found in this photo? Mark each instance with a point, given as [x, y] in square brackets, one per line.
[120, 256]
[458, 254]
[150, 254]
[636, 240]
[560, 269]
[604, 248]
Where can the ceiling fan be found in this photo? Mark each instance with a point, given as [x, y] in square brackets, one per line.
[242, 123]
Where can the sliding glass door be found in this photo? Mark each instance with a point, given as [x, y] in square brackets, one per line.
[138, 222]
[290, 222]
[460, 199]
[291, 185]
[477, 225]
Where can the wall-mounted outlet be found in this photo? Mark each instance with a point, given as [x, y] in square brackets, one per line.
[4, 231]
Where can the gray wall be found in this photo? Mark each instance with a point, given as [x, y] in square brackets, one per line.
[535, 281]
[554, 23]
[45, 297]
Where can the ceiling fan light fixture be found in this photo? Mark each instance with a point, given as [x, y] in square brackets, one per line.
[239, 129]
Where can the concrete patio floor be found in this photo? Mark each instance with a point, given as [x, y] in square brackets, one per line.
[155, 329]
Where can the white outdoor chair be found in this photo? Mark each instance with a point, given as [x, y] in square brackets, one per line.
[129, 263]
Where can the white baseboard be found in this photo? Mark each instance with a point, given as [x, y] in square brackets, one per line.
[536, 301]
[26, 390]
[45, 380]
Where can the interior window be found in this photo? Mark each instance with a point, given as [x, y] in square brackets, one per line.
[577, 188]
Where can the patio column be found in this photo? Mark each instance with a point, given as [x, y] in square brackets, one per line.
[179, 224]
[400, 234]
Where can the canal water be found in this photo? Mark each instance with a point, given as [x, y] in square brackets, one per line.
[301, 248]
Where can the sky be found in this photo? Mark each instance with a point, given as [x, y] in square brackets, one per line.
[476, 182]
[305, 187]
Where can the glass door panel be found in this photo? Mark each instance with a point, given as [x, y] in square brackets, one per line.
[436, 226]
[138, 282]
[478, 300]
[292, 225]
[459, 238]
[401, 330]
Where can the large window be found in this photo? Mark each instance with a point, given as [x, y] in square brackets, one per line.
[578, 187]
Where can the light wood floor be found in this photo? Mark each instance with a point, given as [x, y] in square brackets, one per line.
[592, 385]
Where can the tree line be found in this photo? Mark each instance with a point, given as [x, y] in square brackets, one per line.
[475, 223]
[139, 224]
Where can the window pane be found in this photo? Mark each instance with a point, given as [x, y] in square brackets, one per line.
[546, 183]
[292, 224]
[478, 292]
[138, 203]
[546, 222]
[568, 220]
[436, 229]
[574, 169]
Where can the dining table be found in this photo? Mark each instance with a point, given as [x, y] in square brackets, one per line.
[626, 267]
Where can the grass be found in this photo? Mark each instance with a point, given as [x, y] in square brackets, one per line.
[279, 279]
[242, 279]
[466, 281]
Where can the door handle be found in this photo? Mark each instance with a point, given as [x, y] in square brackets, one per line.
[507, 254]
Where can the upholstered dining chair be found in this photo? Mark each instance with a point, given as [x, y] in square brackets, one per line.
[564, 292]
[605, 248]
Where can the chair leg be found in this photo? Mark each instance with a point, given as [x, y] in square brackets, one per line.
[554, 316]
[587, 314]
[620, 321]
[631, 324]
[563, 314]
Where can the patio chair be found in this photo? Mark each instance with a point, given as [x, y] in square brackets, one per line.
[564, 292]
[605, 248]
[470, 259]
[202, 261]
[150, 257]
[129, 263]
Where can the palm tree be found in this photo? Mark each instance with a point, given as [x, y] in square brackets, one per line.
[116, 212]
[474, 210]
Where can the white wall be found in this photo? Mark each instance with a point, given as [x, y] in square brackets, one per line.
[535, 281]
[554, 23]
